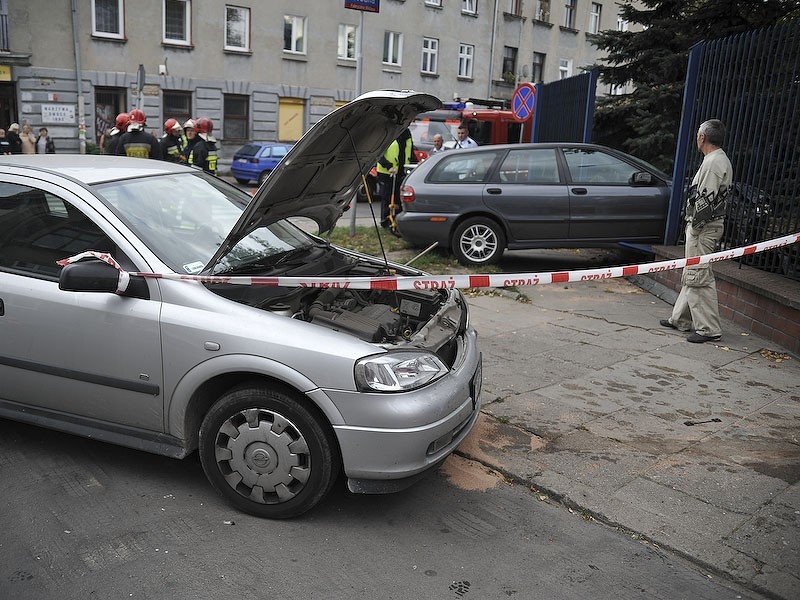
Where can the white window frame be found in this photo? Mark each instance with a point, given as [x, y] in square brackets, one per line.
[570, 7]
[298, 23]
[120, 22]
[246, 11]
[187, 24]
[342, 47]
[437, 3]
[564, 68]
[543, 11]
[594, 17]
[466, 60]
[469, 7]
[622, 24]
[395, 48]
[430, 56]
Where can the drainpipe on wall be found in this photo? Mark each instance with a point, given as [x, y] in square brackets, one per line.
[491, 49]
[78, 79]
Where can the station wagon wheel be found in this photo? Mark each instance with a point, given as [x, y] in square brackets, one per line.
[266, 453]
[262, 176]
[478, 241]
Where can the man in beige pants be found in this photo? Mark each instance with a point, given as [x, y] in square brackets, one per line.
[697, 307]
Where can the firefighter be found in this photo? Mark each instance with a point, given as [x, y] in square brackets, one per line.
[120, 127]
[172, 142]
[189, 138]
[136, 142]
[204, 152]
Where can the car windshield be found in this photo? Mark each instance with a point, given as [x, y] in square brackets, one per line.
[184, 218]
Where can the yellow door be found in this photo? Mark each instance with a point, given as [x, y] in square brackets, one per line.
[290, 119]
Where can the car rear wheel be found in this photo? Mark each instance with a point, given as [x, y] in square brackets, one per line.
[478, 241]
[242, 181]
[266, 453]
[263, 176]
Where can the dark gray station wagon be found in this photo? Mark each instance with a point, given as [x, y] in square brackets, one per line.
[479, 202]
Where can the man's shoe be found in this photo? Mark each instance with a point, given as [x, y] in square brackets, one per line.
[698, 338]
[666, 323]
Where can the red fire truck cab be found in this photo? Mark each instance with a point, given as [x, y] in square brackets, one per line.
[486, 125]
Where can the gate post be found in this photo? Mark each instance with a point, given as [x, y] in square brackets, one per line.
[685, 139]
[591, 94]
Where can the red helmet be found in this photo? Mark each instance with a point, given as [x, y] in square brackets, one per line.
[171, 125]
[137, 119]
[121, 122]
[204, 127]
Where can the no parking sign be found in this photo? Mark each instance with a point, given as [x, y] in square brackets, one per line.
[524, 101]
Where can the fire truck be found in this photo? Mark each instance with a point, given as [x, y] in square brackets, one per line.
[486, 125]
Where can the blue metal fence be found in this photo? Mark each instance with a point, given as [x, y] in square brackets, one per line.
[751, 82]
[572, 100]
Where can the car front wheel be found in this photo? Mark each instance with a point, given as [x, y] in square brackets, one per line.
[478, 241]
[266, 453]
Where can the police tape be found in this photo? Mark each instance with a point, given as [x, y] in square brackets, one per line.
[433, 282]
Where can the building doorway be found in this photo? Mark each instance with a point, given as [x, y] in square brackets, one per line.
[108, 103]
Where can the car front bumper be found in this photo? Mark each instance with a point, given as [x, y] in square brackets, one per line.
[386, 459]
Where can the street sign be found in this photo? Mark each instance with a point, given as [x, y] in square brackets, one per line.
[524, 101]
[367, 5]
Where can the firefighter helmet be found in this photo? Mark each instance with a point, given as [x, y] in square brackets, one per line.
[189, 124]
[171, 125]
[137, 119]
[205, 127]
[120, 124]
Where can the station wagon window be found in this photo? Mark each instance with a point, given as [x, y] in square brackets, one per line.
[38, 228]
[471, 167]
[530, 166]
[593, 166]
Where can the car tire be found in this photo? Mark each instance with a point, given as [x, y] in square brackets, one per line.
[262, 176]
[478, 241]
[241, 181]
[267, 453]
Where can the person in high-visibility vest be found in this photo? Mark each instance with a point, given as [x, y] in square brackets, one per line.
[172, 141]
[204, 152]
[391, 172]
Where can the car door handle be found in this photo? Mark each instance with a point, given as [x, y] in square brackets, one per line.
[578, 191]
[494, 190]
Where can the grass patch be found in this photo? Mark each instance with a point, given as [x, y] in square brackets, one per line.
[437, 262]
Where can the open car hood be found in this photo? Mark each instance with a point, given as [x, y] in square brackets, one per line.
[319, 176]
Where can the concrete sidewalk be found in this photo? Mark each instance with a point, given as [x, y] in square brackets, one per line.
[586, 400]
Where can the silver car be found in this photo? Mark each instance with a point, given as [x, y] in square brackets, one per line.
[280, 389]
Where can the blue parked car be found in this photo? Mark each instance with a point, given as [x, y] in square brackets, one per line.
[254, 161]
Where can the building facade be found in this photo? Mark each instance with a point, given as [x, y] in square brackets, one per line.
[269, 70]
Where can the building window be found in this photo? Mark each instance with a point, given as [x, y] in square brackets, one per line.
[469, 7]
[392, 48]
[594, 17]
[509, 64]
[237, 28]
[564, 68]
[543, 10]
[177, 22]
[569, 14]
[538, 67]
[235, 117]
[430, 54]
[434, 3]
[622, 24]
[347, 42]
[177, 105]
[294, 34]
[107, 18]
[514, 7]
[466, 55]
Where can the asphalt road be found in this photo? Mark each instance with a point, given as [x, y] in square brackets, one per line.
[83, 519]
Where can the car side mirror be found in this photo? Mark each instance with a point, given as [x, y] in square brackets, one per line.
[641, 178]
[97, 276]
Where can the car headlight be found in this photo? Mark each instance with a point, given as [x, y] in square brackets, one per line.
[398, 371]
